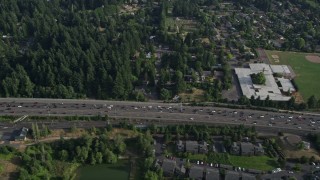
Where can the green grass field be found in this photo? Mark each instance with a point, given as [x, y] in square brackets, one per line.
[6, 157]
[254, 162]
[306, 72]
[119, 170]
[1, 168]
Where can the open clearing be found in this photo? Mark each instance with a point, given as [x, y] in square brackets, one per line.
[306, 71]
[119, 170]
[254, 162]
[196, 96]
[175, 24]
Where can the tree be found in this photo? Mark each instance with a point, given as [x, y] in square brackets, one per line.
[281, 162]
[300, 43]
[258, 78]
[312, 102]
[120, 146]
[304, 160]
[110, 157]
[63, 155]
[148, 163]
[99, 157]
[165, 94]
[150, 175]
[92, 159]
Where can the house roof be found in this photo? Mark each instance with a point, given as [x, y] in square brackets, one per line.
[247, 147]
[168, 165]
[225, 166]
[232, 175]
[212, 174]
[246, 176]
[287, 85]
[196, 172]
[191, 145]
[22, 133]
[254, 171]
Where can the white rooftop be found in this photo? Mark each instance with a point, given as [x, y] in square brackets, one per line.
[270, 88]
[286, 84]
[282, 69]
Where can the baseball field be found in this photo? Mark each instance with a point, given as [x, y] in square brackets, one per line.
[306, 67]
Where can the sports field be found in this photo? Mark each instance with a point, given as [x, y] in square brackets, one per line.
[306, 66]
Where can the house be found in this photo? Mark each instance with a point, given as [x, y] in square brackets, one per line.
[180, 146]
[247, 149]
[218, 74]
[196, 172]
[254, 171]
[22, 134]
[258, 150]
[212, 173]
[246, 176]
[169, 166]
[181, 170]
[203, 147]
[235, 149]
[232, 175]
[192, 146]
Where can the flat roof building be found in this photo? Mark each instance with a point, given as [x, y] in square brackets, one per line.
[270, 89]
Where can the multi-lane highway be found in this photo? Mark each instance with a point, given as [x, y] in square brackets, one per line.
[162, 112]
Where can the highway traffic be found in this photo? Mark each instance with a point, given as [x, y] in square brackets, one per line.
[157, 110]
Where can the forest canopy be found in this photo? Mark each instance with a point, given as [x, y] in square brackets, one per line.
[69, 49]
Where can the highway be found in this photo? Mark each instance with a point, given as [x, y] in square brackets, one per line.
[166, 113]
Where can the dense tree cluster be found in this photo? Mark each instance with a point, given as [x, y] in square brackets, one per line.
[291, 104]
[70, 49]
[203, 133]
[258, 78]
[38, 161]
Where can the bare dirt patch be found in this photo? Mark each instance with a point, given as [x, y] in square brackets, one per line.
[313, 58]
[122, 132]
[298, 154]
[298, 97]
[10, 167]
[196, 95]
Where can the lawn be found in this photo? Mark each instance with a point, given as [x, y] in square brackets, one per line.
[6, 157]
[1, 168]
[306, 72]
[197, 157]
[254, 162]
[119, 170]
